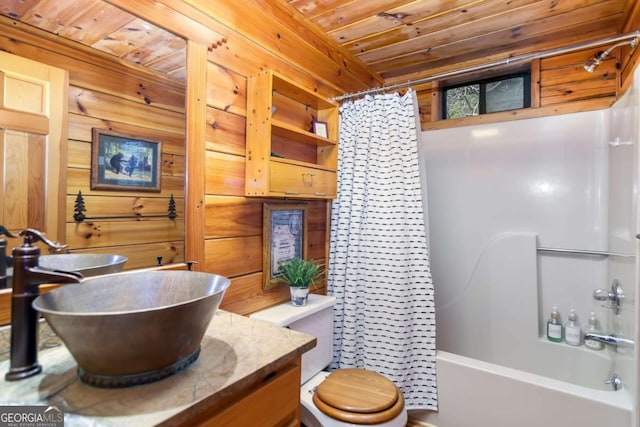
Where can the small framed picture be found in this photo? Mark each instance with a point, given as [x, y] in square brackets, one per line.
[320, 129]
[284, 238]
[124, 162]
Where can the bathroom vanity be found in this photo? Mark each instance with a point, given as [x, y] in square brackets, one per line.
[248, 373]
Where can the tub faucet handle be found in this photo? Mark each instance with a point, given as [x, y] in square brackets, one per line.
[614, 295]
[615, 381]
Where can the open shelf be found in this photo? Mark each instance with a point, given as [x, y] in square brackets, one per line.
[280, 116]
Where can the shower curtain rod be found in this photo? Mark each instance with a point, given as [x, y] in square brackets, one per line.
[507, 61]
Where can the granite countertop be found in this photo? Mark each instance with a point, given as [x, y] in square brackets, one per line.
[236, 352]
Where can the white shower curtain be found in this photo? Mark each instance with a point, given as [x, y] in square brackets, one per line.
[379, 258]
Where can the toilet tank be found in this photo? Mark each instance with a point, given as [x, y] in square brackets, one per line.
[315, 318]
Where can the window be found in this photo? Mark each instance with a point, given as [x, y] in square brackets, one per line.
[500, 93]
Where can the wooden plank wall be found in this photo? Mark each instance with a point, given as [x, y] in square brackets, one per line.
[630, 57]
[112, 96]
[107, 94]
[233, 223]
[563, 79]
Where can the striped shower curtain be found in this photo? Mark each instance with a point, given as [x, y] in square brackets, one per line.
[379, 257]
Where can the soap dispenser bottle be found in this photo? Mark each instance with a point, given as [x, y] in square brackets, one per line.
[554, 326]
[572, 331]
[593, 327]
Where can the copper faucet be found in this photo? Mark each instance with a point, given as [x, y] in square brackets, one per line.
[27, 278]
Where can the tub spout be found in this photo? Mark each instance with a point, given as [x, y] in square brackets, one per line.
[27, 277]
[609, 339]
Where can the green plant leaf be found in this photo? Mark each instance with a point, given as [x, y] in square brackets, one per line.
[300, 273]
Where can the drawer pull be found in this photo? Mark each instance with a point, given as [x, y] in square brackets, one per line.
[291, 192]
[307, 179]
[320, 193]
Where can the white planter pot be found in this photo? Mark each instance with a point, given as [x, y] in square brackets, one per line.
[299, 296]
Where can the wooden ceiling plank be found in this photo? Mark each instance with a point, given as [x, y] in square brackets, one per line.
[162, 14]
[357, 12]
[179, 74]
[128, 38]
[15, 9]
[98, 20]
[170, 63]
[313, 8]
[500, 28]
[446, 30]
[632, 13]
[416, 70]
[53, 15]
[461, 58]
[415, 18]
[159, 45]
[458, 53]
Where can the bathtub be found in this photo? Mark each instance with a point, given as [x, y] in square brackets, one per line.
[496, 205]
[473, 393]
[494, 365]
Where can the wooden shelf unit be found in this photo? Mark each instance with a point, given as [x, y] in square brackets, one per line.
[284, 158]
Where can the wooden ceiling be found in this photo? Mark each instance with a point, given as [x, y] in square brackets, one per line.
[106, 28]
[405, 40]
[398, 40]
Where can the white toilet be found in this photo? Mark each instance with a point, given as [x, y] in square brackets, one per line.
[353, 397]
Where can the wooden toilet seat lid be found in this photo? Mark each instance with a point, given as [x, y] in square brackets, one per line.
[359, 396]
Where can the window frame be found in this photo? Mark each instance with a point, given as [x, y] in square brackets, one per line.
[526, 96]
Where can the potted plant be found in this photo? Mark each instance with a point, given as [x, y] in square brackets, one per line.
[300, 274]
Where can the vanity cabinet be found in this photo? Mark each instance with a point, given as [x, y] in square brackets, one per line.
[247, 374]
[285, 157]
[272, 402]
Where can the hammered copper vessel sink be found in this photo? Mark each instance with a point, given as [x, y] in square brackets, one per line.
[85, 264]
[133, 328]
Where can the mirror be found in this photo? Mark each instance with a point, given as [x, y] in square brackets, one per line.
[33, 123]
[45, 141]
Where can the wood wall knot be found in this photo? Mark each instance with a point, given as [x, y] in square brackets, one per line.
[143, 93]
[81, 107]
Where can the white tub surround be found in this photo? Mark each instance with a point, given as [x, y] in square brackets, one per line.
[480, 394]
[524, 216]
